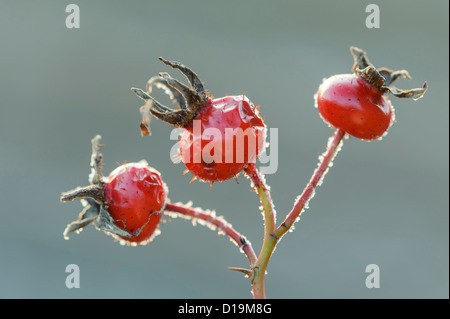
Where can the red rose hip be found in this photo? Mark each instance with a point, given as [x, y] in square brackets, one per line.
[135, 195]
[221, 136]
[349, 102]
[128, 204]
[358, 103]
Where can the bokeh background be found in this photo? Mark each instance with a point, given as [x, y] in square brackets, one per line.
[384, 202]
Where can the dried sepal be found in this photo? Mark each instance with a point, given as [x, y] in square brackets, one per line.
[175, 95]
[383, 78]
[105, 222]
[192, 77]
[85, 218]
[93, 200]
[188, 99]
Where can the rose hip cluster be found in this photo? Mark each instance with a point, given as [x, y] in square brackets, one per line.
[129, 203]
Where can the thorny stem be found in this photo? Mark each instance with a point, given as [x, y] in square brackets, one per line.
[272, 235]
[221, 224]
[259, 270]
[333, 148]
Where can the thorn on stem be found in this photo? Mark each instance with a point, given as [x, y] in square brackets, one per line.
[247, 272]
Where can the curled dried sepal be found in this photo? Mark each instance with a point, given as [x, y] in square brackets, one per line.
[383, 78]
[173, 94]
[188, 99]
[193, 79]
[153, 107]
[95, 212]
[146, 110]
[414, 94]
[85, 218]
[105, 222]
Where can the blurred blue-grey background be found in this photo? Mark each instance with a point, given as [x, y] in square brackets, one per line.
[384, 202]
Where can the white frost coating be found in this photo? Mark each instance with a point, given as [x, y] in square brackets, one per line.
[330, 164]
[263, 179]
[176, 215]
[251, 182]
[316, 105]
[234, 242]
[306, 206]
[393, 120]
[162, 87]
[312, 194]
[269, 197]
[124, 242]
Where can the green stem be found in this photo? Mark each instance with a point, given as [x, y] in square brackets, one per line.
[271, 234]
[259, 269]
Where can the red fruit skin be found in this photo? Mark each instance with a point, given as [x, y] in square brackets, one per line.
[136, 196]
[349, 102]
[228, 154]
